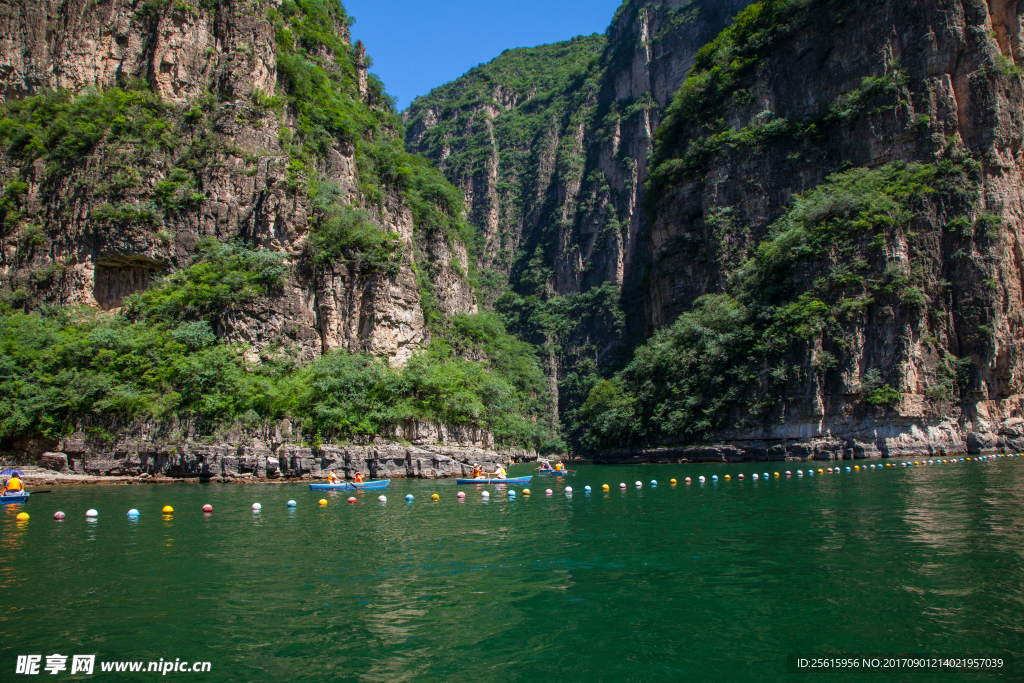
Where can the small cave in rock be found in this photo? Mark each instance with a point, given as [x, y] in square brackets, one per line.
[117, 277]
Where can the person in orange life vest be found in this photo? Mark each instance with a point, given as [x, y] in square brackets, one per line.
[13, 485]
[332, 478]
[477, 471]
[359, 478]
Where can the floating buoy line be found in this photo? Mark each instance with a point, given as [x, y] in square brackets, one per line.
[167, 511]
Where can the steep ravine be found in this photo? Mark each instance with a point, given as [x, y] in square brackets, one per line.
[841, 179]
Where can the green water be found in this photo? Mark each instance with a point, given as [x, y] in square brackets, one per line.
[685, 583]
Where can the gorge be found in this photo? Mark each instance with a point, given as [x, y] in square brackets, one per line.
[722, 230]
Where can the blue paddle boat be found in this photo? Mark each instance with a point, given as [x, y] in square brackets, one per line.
[509, 480]
[11, 498]
[351, 485]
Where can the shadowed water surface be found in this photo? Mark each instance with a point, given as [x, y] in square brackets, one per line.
[718, 582]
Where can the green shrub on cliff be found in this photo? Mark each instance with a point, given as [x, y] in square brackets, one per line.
[725, 362]
[68, 364]
[222, 276]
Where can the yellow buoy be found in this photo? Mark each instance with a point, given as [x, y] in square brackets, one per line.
[821, 471]
[323, 501]
[526, 492]
[168, 510]
[856, 467]
[604, 487]
[776, 474]
[672, 481]
[727, 477]
[435, 497]
[22, 517]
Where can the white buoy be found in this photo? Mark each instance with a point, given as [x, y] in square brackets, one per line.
[133, 513]
[485, 495]
[292, 503]
[91, 513]
[256, 507]
[755, 476]
[382, 499]
[700, 479]
[568, 490]
[800, 473]
[639, 484]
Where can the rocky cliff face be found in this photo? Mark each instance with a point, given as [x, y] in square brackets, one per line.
[203, 140]
[551, 144]
[228, 179]
[909, 296]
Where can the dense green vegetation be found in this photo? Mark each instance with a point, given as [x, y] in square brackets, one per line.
[162, 358]
[822, 266]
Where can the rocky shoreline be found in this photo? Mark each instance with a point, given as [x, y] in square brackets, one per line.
[427, 452]
[906, 438]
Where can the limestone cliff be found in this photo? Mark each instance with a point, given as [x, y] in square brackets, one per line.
[217, 259]
[208, 137]
[848, 176]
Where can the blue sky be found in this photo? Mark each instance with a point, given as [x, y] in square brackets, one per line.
[417, 45]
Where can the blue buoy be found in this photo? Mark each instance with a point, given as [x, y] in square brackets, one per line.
[847, 469]
[765, 475]
[654, 482]
[408, 497]
[586, 489]
[292, 503]
[810, 473]
[511, 493]
[133, 513]
[714, 477]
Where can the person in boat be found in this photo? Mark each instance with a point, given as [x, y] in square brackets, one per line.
[331, 479]
[358, 478]
[13, 485]
[478, 472]
[545, 466]
[499, 473]
[559, 467]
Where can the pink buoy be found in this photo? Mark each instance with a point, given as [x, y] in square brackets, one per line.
[622, 486]
[462, 495]
[688, 480]
[352, 499]
[788, 473]
[58, 515]
[548, 492]
[741, 476]
[207, 508]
